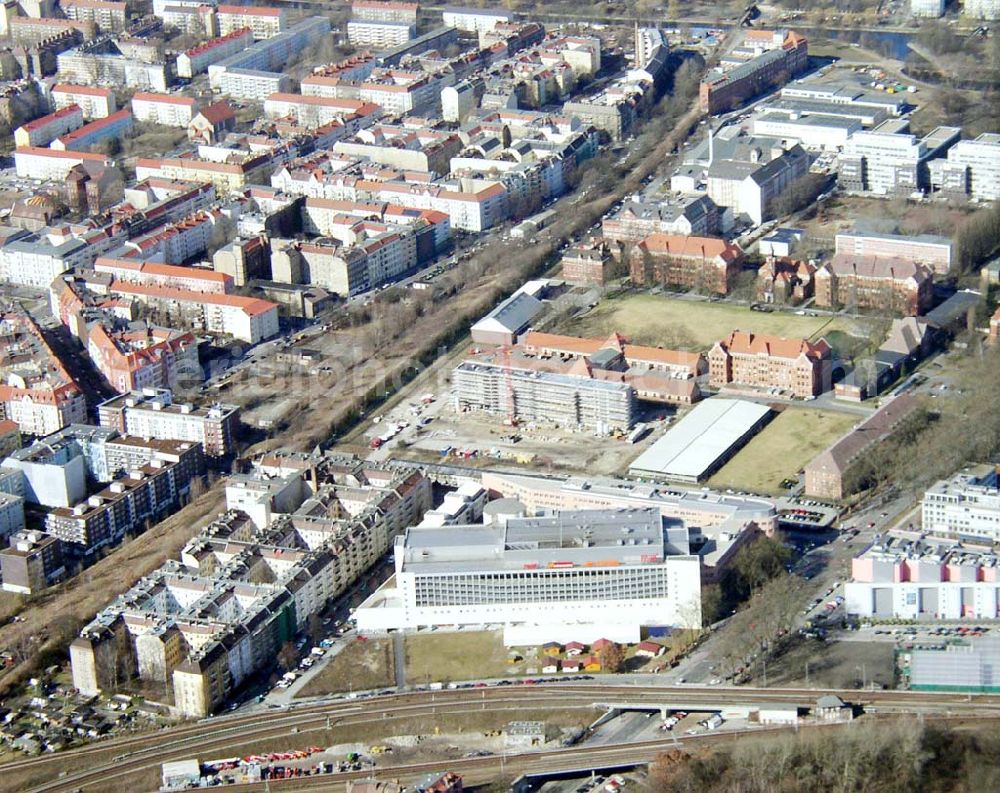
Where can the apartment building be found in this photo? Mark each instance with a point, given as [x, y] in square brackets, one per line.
[227, 177]
[42, 131]
[149, 493]
[37, 162]
[888, 160]
[11, 515]
[115, 126]
[796, 366]
[246, 318]
[94, 65]
[34, 260]
[681, 215]
[152, 413]
[109, 16]
[933, 251]
[193, 279]
[834, 472]
[38, 393]
[95, 102]
[703, 263]
[379, 34]
[475, 20]
[148, 358]
[253, 84]
[271, 54]
[774, 58]
[170, 110]
[385, 11]
[32, 563]
[197, 59]
[965, 507]
[971, 169]
[264, 21]
[173, 625]
[318, 111]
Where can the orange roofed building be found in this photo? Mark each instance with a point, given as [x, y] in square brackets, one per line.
[796, 366]
[150, 358]
[702, 263]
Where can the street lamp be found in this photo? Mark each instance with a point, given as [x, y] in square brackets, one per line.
[864, 675]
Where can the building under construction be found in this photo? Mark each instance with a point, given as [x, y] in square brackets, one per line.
[491, 384]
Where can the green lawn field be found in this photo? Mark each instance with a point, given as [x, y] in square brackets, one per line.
[782, 448]
[674, 323]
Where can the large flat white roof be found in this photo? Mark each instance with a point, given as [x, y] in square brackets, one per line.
[698, 440]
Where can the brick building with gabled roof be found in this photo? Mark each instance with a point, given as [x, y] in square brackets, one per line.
[703, 263]
[797, 366]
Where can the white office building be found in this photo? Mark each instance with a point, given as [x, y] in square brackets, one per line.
[982, 9]
[931, 9]
[967, 507]
[567, 576]
[972, 168]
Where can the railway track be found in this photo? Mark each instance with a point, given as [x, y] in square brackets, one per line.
[120, 759]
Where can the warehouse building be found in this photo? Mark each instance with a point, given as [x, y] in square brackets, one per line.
[973, 668]
[701, 443]
[913, 580]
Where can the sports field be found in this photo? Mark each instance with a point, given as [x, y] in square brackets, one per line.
[782, 448]
[696, 324]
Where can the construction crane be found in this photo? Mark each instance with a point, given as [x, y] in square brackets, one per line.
[508, 376]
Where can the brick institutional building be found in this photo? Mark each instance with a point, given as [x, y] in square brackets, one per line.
[797, 366]
[774, 57]
[707, 264]
[588, 262]
[784, 280]
[879, 282]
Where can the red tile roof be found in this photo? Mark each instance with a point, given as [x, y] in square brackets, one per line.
[38, 123]
[144, 96]
[745, 343]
